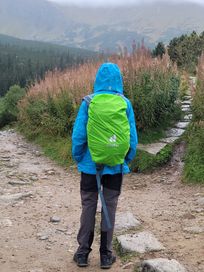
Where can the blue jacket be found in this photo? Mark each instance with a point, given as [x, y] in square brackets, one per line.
[108, 80]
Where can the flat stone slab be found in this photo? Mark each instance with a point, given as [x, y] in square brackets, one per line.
[187, 97]
[141, 242]
[186, 109]
[188, 117]
[186, 102]
[125, 221]
[152, 148]
[169, 140]
[182, 125]
[175, 132]
[162, 265]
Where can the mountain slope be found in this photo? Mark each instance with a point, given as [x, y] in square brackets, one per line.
[98, 28]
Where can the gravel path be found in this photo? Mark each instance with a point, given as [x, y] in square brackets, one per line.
[40, 210]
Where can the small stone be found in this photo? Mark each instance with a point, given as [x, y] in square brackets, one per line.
[194, 230]
[61, 230]
[21, 153]
[48, 248]
[55, 219]
[200, 201]
[188, 216]
[38, 153]
[43, 237]
[36, 270]
[17, 183]
[126, 220]
[51, 172]
[162, 265]
[128, 265]
[5, 222]
[34, 178]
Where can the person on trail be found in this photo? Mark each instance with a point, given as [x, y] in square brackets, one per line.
[104, 141]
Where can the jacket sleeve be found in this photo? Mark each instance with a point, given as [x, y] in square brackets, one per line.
[133, 134]
[79, 135]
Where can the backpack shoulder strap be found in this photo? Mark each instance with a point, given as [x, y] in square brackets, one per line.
[88, 99]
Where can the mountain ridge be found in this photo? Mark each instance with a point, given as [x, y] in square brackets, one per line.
[99, 28]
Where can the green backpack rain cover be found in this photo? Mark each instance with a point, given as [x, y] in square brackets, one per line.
[108, 129]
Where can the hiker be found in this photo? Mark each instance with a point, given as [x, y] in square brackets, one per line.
[104, 141]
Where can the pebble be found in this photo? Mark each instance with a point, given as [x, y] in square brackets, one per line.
[55, 219]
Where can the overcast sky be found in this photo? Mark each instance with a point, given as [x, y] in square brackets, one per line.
[119, 2]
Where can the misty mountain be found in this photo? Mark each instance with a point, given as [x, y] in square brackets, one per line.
[98, 28]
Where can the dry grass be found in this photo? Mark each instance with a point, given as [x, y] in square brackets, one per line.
[78, 82]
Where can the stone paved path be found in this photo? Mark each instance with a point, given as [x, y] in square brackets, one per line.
[177, 130]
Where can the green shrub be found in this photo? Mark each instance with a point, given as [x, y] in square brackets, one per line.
[194, 159]
[183, 87]
[8, 105]
[153, 98]
[144, 161]
[52, 116]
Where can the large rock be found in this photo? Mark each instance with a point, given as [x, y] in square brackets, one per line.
[141, 242]
[162, 265]
[126, 220]
[152, 148]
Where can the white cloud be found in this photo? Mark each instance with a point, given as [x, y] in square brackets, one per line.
[120, 2]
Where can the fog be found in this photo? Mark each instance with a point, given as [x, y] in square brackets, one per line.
[95, 3]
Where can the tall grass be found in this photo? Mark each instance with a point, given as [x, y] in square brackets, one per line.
[150, 83]
[194, 160]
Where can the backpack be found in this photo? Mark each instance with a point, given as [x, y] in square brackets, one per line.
[108, 129]
[108, 134]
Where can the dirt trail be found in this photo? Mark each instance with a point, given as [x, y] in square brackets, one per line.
[30, 242]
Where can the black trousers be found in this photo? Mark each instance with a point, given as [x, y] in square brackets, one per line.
[111, 185]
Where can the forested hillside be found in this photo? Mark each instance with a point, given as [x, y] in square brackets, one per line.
[22, 62]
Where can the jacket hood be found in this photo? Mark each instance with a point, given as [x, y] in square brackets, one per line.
[108, 78]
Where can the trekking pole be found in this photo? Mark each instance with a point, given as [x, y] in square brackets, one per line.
[105, 210]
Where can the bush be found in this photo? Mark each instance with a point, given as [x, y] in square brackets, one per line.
[194, 159]
[8, 105]
[151, 84]
[144, 161]
[53, 116]
[154, 98]
[50, 106]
